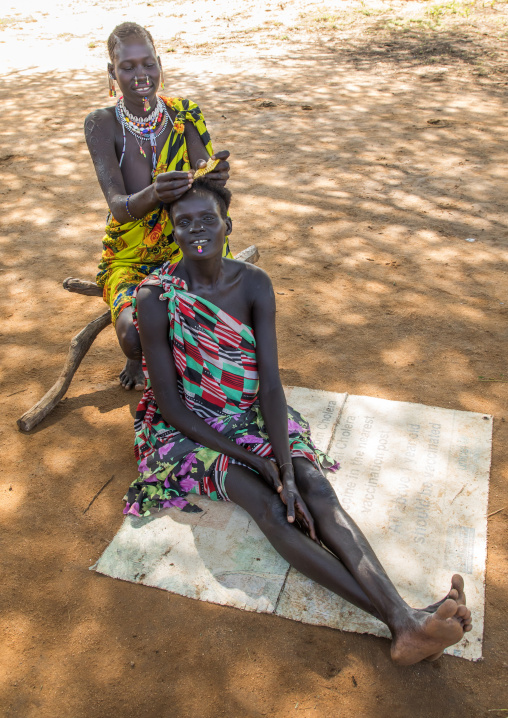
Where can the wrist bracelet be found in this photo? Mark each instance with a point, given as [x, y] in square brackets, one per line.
[287, 463]
[136, 219]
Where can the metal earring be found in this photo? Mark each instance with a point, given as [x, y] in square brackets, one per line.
[111, 83]
[162, 79]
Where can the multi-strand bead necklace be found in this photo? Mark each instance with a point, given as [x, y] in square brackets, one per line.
[143, 128]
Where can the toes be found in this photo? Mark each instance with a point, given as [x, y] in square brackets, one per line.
[447, 609]
[463, 615]
[453, 594]
[463, 612]
[125, 381]
[458, 583]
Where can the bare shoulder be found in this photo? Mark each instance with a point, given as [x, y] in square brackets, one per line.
[149, 294]
[256, 281]
[101, 120]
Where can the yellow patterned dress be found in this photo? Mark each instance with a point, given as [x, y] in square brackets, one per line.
[131, 251]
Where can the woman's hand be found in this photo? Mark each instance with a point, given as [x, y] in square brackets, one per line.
[169, 186]
[296, 506]
[220, 173]
[268, 470]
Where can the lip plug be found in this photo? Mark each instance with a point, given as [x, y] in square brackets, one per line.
[200, 248]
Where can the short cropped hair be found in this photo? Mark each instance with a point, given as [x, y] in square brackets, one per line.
[205, 186]
[124, 31]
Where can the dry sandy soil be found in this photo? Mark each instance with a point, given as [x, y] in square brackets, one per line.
[368, 142]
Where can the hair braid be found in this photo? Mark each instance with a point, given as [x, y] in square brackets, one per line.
[124, 31]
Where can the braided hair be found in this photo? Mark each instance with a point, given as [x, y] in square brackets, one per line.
[205, 186]
[126, 30]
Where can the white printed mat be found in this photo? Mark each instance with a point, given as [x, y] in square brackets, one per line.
[414, 477]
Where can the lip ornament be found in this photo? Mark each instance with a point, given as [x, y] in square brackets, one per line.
[200, 248]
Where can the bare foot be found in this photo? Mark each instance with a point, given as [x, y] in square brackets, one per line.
[425, 636]
[456, 592]
[132, 375]
[81, 286]
[458, 595]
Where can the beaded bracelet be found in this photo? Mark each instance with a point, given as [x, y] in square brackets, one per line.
[136, 219]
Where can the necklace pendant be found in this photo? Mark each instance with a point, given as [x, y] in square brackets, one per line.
[146, 104]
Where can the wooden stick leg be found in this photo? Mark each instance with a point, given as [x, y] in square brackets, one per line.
[82, 286]
[80, 344]
[250, 255]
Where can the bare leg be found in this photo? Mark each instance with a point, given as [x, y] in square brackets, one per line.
[128, 337]
[247, 489]
[416, 634]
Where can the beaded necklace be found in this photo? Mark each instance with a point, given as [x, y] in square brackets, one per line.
[143, 129]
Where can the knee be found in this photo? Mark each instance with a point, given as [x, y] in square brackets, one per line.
[128, 337]
[324, 490]
[272, 514]
[313, 485]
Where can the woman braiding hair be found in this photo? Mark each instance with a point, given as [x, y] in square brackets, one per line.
[145, 149]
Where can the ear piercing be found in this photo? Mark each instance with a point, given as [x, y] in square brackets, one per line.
[111, 82]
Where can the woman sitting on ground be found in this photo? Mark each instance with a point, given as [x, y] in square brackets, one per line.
[213, 420]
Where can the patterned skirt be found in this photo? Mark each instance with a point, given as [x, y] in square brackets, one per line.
[175, 467]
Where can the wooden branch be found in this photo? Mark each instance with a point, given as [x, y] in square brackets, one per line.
[82, 286]
[80, 344]
[250, 255]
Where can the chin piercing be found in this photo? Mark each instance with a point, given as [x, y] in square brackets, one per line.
[200, 248]
[146, 105]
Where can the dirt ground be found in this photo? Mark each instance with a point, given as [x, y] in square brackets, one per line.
[368, 142]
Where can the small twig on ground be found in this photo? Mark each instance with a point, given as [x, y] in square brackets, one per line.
[98, 492]
[458, 494]
[488, 516]
[20, 391]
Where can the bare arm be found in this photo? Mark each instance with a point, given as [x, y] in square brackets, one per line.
[271, 394]
[272, 399]
[100, 138]
[154, 330]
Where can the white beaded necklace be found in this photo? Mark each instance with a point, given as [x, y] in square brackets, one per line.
[143, 128]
